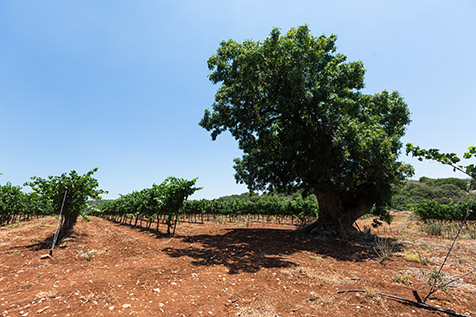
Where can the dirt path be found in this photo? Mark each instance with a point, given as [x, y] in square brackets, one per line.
[105, 268]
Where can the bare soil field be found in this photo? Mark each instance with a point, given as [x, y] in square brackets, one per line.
[108, 269]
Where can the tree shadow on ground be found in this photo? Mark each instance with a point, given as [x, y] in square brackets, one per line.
[250, 249]
[70, 235]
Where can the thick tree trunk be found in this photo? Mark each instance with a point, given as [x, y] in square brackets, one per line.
[337, 215]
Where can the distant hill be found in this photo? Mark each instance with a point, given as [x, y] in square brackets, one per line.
[441, 190]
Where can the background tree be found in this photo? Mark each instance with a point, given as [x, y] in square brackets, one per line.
[441, 190]
[296, 108]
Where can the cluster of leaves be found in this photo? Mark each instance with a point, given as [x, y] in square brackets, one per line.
[262, 206]
[166, 198]
[47, 197]
[14, 203]
[74, 189]
[430, 209]
[450, 159]
[80, 189]
[442, 190]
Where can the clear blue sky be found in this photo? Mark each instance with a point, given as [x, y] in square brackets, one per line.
[121, 85]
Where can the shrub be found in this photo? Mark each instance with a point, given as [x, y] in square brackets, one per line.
[384, 248]
[419, 257]
[404, 279]
[441, 190]
[434, 228]
[430, 209]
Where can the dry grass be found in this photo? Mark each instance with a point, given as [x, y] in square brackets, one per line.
[333, 278]
[263, 308]
[449, 229]
[265, 311]
[384, 248]
[417, 256]
[329, 301]
[466, 260]
[49, 294]
[370, 292]
[110, 298]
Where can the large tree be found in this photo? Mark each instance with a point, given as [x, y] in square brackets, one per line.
[296, 108]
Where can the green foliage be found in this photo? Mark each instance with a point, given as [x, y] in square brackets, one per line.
[271, 196]
[166, 198]
[430, 209]
[14, 202]
[401, 202]
[296, 108]
[11, 198]
[450, 159]
[263, 206]
[441, 190]
[11, 201]
[435, 277]
[438, 210]
[461, 184]
[404, 279]
[174, 191]
[80, 189]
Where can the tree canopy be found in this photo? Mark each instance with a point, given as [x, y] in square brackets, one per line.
[297, 110]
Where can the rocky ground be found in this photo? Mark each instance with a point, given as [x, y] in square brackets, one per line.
[104, 268]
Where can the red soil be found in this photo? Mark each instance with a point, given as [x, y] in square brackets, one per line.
[223, 270]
